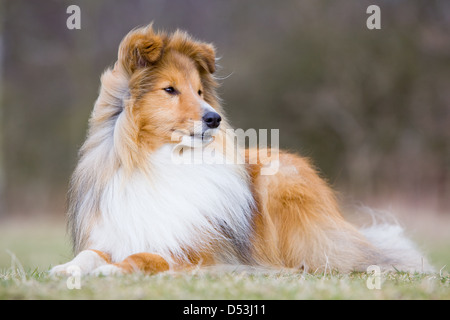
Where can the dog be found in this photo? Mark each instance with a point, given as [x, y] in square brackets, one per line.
[132, 208]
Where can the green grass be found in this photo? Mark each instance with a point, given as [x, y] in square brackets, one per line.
[28, 251]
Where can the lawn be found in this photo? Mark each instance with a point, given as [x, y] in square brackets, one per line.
[27, 251]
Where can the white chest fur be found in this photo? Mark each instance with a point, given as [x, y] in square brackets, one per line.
[179, 206]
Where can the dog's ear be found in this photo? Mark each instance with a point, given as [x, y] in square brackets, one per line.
[205, 56]
[146, 51]
[140, 48]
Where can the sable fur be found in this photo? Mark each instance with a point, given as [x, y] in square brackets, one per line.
[127, 199]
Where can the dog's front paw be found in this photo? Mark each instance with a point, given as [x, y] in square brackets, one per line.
[107, 270]
[67, 269]
[83, 263]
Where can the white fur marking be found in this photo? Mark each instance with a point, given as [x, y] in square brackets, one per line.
[391, 241]
[107, 270]
[181, 206]
[86, 260]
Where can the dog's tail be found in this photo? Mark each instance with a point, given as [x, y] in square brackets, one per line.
[398, 252]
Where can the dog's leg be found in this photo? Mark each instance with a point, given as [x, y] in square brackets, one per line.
[146, 263]
[86, 261]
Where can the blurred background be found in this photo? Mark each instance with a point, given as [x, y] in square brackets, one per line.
[370, 107]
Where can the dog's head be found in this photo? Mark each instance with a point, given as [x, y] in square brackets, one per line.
[171, 86]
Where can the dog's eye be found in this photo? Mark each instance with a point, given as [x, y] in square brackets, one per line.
[170, 90]
[200, 92]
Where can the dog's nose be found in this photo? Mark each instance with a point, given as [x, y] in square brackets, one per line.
[212, 119]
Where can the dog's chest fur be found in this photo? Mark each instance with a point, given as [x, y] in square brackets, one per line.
[177, 207]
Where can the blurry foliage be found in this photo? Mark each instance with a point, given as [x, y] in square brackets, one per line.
[371, 107]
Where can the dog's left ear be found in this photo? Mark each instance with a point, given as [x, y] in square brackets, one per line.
[205, 56]
[140, 48]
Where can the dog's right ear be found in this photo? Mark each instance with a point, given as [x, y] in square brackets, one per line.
[139, 49]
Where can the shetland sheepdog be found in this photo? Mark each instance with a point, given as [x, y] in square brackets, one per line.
[133, 208]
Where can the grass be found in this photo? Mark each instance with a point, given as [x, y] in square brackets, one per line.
[28, 251]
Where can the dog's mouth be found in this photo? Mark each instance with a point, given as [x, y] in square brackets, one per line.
[199, 136]
[198, 139]
[205, 136]
[202, 139]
